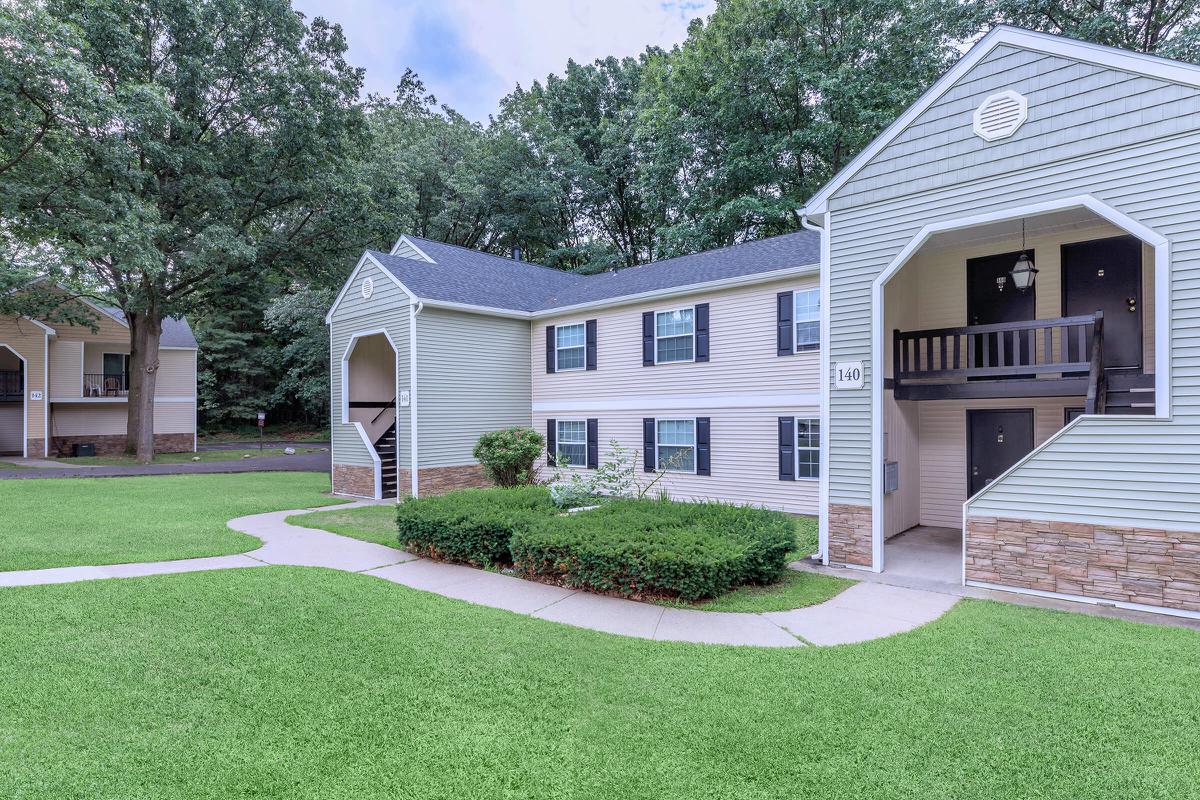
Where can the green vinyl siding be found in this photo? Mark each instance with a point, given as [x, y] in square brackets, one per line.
[473, 375]
[388, 308]
[1119, 471]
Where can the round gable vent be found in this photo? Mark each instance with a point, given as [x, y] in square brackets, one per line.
[1000, 115]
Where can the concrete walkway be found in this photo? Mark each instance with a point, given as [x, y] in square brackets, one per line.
[862, 612]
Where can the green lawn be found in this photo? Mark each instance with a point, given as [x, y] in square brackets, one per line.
[794, 590]
[303, 683]
[62, 522]
[10, 465]
[179, 458]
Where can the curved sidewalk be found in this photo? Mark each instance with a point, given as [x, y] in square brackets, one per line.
[862, 612]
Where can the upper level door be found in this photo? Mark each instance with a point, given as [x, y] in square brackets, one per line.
[1106, 275]
[992, 298]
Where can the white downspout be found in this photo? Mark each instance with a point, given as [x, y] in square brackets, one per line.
[412, 396]
[823, 483]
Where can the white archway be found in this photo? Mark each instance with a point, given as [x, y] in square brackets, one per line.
[24, 399]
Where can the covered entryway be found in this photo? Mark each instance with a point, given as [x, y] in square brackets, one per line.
[369, 375]
[12, 403]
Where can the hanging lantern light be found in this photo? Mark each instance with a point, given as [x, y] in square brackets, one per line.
[1024, 273]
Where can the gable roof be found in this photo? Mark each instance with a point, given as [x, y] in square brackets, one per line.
[461, 276]
[1102, 55]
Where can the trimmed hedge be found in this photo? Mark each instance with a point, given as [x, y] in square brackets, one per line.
[470, 526]
[656, 548]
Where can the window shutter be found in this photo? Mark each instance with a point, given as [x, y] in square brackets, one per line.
[703, 450]
[783, 323]
[590, 350]
[593, 444]
[551, 442]
[701, 319]
[787, 448]
[648, 339]
[549, 348]
[648, 461]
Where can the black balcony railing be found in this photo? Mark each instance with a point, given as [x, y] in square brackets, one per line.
[105, 384]
[12, 387]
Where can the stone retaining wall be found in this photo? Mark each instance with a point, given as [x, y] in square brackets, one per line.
[1132, 565]
[111, 445]
[439, 480]
[357, 481]
[849, 534]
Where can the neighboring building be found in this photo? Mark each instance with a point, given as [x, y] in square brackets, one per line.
[1058, 425]
[62, 385]
[1004, 352]
[706, 364]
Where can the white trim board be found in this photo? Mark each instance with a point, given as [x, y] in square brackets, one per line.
[680, 403]
[1110, 57]
[375, 461]
[24, 400]
[1162, 328]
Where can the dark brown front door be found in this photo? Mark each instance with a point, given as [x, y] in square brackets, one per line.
[988, 303]
[996, 439]
[1106, 275]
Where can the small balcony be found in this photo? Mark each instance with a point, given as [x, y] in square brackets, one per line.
[105, 384]
[12, 386]
[1058, 357]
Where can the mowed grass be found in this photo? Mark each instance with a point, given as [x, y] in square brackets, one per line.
[64, 522]
[180, 458]
[793, 590]
[11, 465]
[302, 683]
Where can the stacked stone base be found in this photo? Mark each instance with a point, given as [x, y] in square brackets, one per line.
[115, 445]
[360, 481]
[849, 534]
[1146, 566]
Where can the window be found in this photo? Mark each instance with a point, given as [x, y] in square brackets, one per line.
[807, 320]
[571, 438]
[676, 445]
[116, 371]
[569, 347]
[808, 447]
[674, 335]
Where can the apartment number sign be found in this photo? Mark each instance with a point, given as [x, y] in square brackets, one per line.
[848, 375]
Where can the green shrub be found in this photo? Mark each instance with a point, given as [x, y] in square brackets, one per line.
[507, 455]
[655, 548]
[471, 526]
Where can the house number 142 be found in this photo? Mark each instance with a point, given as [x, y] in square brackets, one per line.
[848, 375]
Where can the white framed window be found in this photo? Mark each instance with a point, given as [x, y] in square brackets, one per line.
[675, 335]
[806, 317]
[570, 346]
[571, 442]
[675, 444]
[808, 447]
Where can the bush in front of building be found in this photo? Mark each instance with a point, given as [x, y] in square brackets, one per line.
[507, 455]
[655, 548]
[470, 526]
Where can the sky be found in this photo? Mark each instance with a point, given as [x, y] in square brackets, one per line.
[470, 53]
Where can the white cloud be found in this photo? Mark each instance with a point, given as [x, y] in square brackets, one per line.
[472, 52]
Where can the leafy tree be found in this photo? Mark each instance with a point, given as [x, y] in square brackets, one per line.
[1169, 28]
[213, 139]
[296, 321]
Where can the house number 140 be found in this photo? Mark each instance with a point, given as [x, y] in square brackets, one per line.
[848, 375]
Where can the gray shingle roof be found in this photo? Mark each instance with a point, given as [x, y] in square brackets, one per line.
[176, 331]
[461, 275]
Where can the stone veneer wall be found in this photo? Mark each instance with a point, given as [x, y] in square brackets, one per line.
[1132, 565]
[115, 445]
[358, 481]
[35, 447]
[439, 480]
[850, 534]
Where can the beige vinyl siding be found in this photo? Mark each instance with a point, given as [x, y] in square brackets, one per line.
[744, 454]
[1121, 471]
[12, 423]
[472, 377]
[109, 419]
[31, 343]
[742, 351]
[66, 368]
[388, 309]
[107, 330]
[176, 374]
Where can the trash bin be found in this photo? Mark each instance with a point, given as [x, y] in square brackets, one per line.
[84, 449]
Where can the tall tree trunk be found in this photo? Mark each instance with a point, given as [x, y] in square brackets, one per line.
[145, 330]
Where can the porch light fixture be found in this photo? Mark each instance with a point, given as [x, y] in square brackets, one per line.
[1024, 273]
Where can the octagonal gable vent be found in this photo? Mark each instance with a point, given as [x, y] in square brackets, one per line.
[1000, 115]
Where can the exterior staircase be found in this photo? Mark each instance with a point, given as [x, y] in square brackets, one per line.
[1129, 394]
[385, 447]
